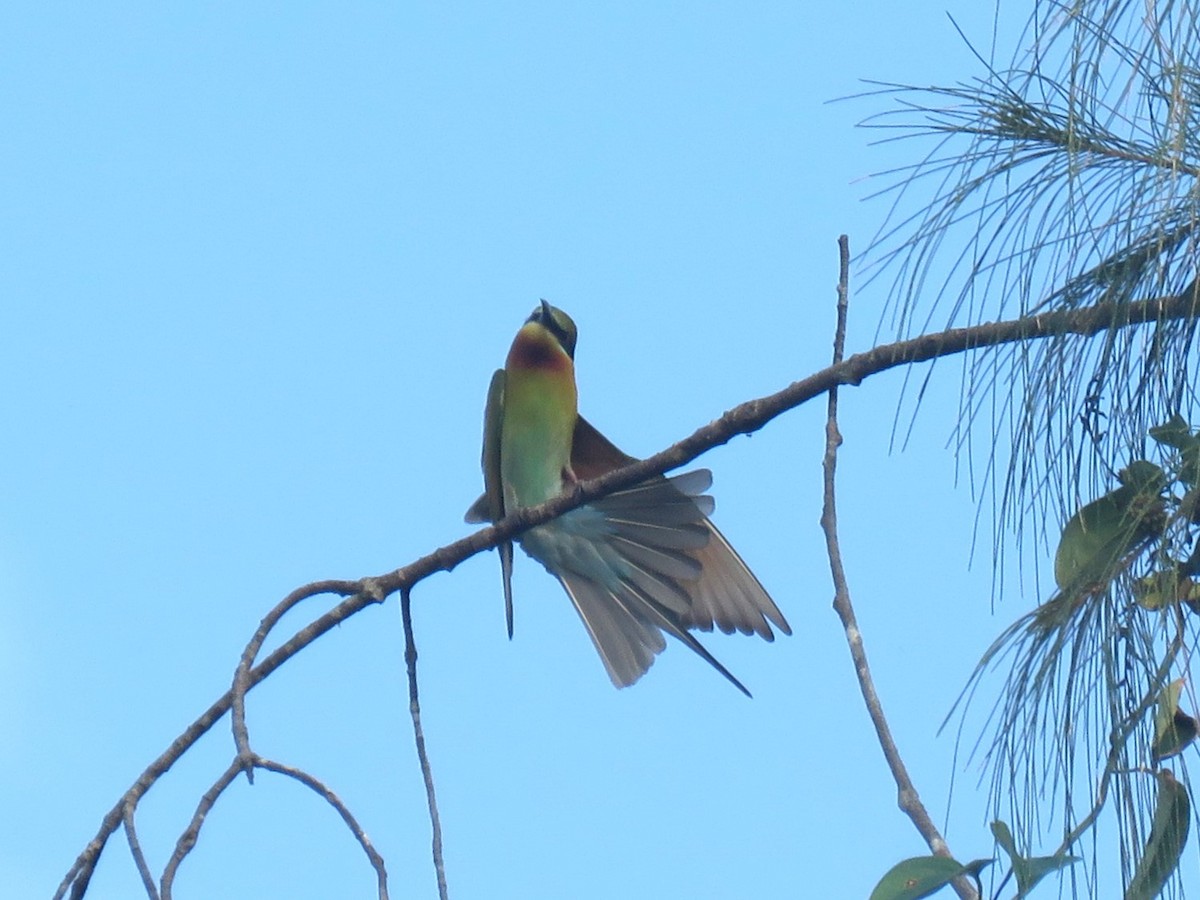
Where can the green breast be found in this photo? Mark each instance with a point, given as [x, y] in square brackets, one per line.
[535, 440]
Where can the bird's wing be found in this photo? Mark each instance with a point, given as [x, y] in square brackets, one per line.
[659, 515]
[592, 454]
[493, 421]
[490, 506]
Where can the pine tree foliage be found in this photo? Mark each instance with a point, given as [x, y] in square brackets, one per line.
[1068, 178]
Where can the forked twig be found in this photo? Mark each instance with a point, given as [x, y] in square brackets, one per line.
[242, 762]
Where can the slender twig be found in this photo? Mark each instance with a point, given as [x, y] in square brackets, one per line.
[135, 850]
[742, 419]
[333, 800]
[243, 761]
[79, 875]
[907, 797]
[241, 678]
[414, 709]
[187, 840]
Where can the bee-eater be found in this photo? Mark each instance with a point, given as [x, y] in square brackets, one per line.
[638, 563]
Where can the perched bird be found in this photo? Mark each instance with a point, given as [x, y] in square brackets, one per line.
[636, 564]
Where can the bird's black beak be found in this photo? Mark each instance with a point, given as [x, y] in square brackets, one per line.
[543, 314]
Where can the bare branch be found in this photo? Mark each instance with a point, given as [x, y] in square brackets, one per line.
[908, 799]
[414, 708]
[241, 679]
[188, 839]
[135, 850]
[333, 800]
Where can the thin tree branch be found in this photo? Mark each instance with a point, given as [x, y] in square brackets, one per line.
[188, 839]
[333, 800]
[907, 798]
[414, 709]
[135, 850]
[79, 875]
[241, 678]
[242, 762]
[743, 419]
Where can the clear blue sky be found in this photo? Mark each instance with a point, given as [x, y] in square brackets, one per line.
[259, 263]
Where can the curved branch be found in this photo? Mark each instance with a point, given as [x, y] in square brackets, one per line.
[743, 419]
[335, 801]
[241, 679]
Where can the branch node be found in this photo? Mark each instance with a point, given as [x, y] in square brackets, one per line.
[246, 759]
[372, 589]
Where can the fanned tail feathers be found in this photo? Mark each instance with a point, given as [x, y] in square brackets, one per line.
[627, 626]
[675, 572]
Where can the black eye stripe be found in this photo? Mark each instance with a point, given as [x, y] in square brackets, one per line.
[556, 322]
[555, 328]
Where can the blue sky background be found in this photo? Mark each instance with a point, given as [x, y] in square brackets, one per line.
[260, 262]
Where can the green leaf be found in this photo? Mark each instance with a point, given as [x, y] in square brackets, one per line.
[1168, 836]
[1004, 838]
[919, 877]
[1102, 533]
[1158, 590]
[1177, 435]
[1173, 728]
[1174, 433]
[1144, 477]
[1028, 870]
[1189, 472]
